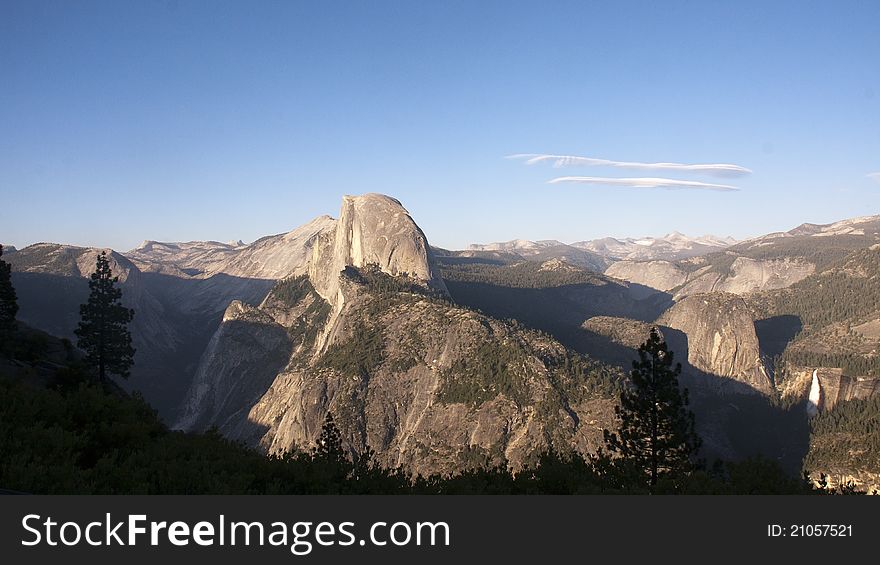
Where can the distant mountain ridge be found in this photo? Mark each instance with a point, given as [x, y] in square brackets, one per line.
[671, 246]
[674, 245]
[768, 262]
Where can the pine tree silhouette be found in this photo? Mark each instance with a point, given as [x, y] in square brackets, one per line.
[656, 434]
[103, 329]
[8, 301]
[329, 447]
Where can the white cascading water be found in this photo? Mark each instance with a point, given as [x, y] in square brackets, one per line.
[815, 395]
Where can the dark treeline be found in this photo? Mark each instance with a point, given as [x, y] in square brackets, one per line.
[380, 282]
[292, 290]
[846, 437]
[852, 364]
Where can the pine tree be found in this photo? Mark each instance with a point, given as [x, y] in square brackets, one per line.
[8, 301]
[103, 329]
[330, 460]
[656, 434]
[329, 448]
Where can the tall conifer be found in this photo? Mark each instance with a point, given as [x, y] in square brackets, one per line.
[103, 329]
[8, 301]
[656, 434]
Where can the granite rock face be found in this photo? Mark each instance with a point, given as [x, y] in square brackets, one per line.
[372, 229]
[407, 408]
[721, 340]
[749, 275]
[833, 386]
[744, 275]
[659, 275]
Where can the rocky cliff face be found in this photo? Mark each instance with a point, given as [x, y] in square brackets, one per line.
[829, 387]
[372, 229]
[659, 275]
[241, 361]
[748, 275]
[744, 275]
[721, 340]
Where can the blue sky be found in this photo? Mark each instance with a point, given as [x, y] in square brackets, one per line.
[184, 120]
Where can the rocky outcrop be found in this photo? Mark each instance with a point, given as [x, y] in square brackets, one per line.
[279, 256]
[428, 386]
[750, 275]
[372, 229]
[621, 331]
[721, 341]
[660, 275]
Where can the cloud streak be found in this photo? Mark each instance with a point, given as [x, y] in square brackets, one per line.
[558, 161]
[874, 176]
[646, 182]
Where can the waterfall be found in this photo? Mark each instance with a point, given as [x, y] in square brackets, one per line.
[815, 395]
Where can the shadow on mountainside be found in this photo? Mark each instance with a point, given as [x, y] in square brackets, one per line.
[558, 310]
[173, 323]
[238, 368]
[774, 335]
[738, 421]
[735, 420]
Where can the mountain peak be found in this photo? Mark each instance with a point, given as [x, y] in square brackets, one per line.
[374, 198]
[372, 229]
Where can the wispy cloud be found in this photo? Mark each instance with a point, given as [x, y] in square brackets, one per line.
[716, 169]
[874, 176]
[647, 182]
